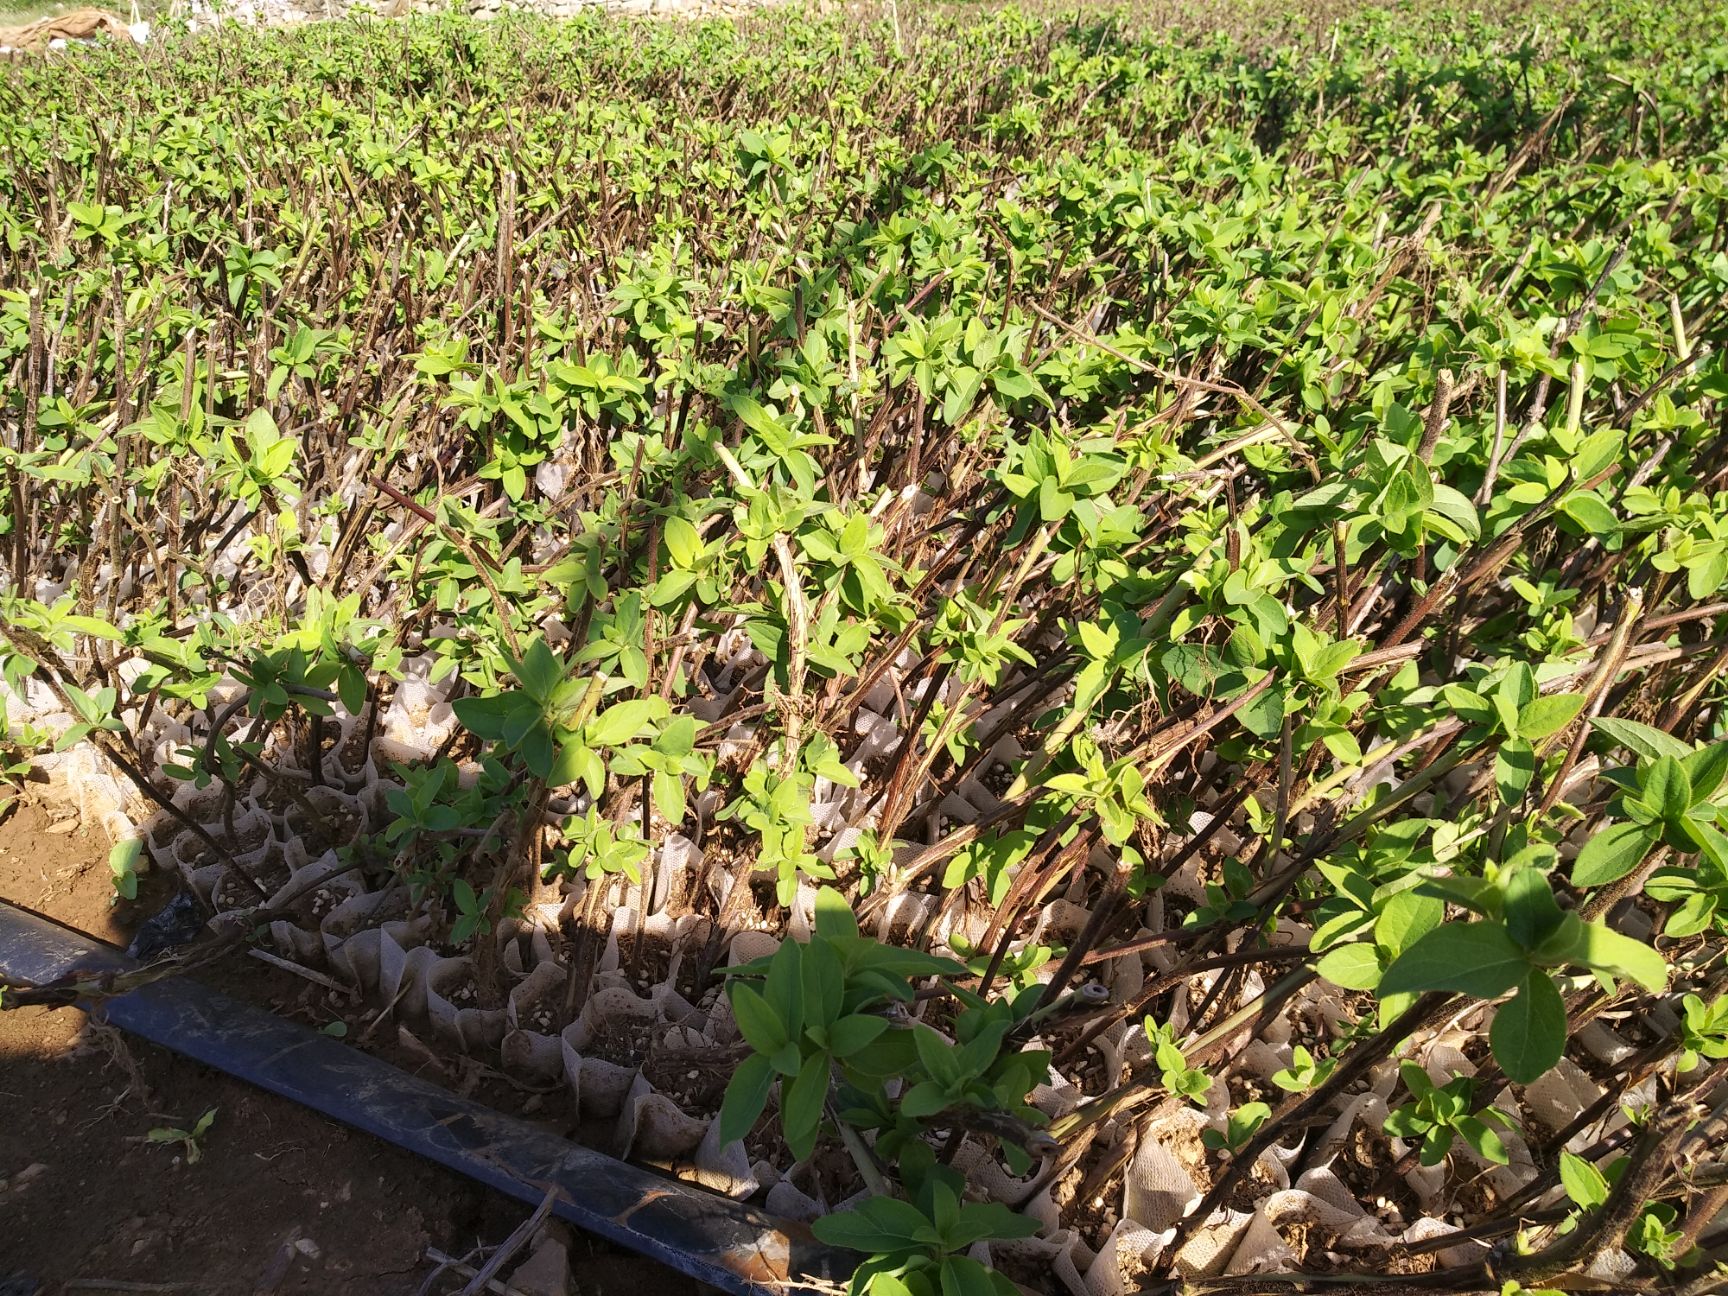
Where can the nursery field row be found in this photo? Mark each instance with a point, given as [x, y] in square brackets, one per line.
[1087, 646]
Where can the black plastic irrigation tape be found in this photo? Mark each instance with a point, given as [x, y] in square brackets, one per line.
[708, 1237]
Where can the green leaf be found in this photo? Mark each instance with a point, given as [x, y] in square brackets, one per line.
[93, 626]
[1544, 716]
[881, 1226]
[801, 1106]
[784, 987]
[746, 1096]
[351, 687]
[1435, 1144]
[1601, 949]
[539, 670]
[624, 721]
[1264, 716]
[1514, 767]
[855, 1032]
[670, 588]
[937, 1055]
[834, 917]
[755, 417]
[963, 1276]
[760, 1025]
[463, 891]
[1611, 854]
[520, 720]
[981, 1220]
[1478, 958]
[123, 864]
[1532, 913]
[1516, 688]
[683, 541]
[1584, 1183]
[1326, 498]
[1641, 738]
[1416, 1078]
[886, 1284]
[1706, 768]
[824, 984]
[1484, 1140]
[976, 1055]
[1667, 789]
[1454, 506]
[1406, 918]
[1588, 510]
[669, 797]
[1712, 844]
[1354, 967]
[585, 764]
[123, 856]
[484, 716]
[1529, 1031]
[537, 751]
[923, 1100]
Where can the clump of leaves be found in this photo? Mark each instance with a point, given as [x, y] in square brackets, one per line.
[1435, 1115]
[189, 1141]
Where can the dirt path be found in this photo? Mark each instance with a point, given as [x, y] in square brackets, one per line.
[280, 1201]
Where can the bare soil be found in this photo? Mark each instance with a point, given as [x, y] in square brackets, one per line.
[281, 1202]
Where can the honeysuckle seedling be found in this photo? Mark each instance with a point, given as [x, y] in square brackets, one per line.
[304, 354]
[602, 386]
[693, 566]
[1655, 1233]
[1519, 941]
[1703, 1031]
[916, 1247]
[189, 1141]
[1226, 900]
[981, 1079]
[1055, 482]
[1304, 1072]
[1585, 1185]
[1239, 1126]
[777, 808]
[91, 221]
[259, 464]
[1674, 796]
[807, 1009]
[1438, 1114]
[1115, 793]
[123, 866]
[615, 641]
[1518, 716]
[553, 722]
[668, 761]
[1174, 1073]
[93, 711]
[1377, 895]
[598, 848]
[874, 860]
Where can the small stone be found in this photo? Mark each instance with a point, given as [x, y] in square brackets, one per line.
[307, 1247]
[23, 1177]
[546, 1272]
